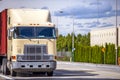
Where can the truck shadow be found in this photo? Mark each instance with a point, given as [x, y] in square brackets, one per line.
[62, 74]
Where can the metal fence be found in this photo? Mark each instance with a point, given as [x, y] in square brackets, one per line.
[64, 54]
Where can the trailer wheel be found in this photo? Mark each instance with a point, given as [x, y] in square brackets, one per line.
[5, 69]
[2, 68]
[50, 73]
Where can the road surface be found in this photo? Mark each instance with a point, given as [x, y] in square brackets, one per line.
[74, 71]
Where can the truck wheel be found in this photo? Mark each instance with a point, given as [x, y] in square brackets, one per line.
[50, 73]
[43, 73]
[4, 67]
[13, 73]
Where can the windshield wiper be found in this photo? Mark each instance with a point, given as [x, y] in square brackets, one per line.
[40, 36]
[24, 37]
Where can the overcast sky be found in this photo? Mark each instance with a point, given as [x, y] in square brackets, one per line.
[83, 14]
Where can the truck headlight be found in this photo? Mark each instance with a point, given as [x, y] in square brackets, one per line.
[13, 57]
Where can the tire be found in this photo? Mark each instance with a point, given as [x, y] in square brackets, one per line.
[13, 73]
[43, 73]
[2, 68]
[50, 73]
[5, 69]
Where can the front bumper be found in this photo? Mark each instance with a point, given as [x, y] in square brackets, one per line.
[43, 66]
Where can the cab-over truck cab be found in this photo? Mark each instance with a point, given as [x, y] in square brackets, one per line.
[30, 42]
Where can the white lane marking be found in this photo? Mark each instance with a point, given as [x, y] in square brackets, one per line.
[6, 77]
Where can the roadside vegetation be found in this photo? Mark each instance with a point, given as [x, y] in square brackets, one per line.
[84, 52]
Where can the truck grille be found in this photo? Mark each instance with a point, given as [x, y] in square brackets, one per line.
[35, 49]
[35, 53]
[34, 57]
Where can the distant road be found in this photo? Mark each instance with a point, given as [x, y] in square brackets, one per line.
[74, 71]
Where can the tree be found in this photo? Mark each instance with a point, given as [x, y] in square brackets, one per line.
[65, 42]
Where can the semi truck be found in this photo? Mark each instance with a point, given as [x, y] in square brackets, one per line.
[27, 41]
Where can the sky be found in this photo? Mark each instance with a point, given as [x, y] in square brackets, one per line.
[83, 15]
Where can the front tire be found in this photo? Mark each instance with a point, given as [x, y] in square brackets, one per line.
[13, 73]
[50, 73]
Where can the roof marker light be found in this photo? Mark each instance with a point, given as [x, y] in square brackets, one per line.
[49, 24]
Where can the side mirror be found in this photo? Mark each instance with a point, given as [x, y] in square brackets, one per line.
[56, 30]
[10, 33]
[12, 29]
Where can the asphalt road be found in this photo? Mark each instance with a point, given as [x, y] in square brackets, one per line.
[74, 71]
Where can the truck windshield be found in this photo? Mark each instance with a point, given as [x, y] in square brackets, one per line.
[34, 32]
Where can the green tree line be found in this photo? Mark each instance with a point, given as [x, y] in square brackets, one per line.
[84, 52]
[65, 42]
[95, 54]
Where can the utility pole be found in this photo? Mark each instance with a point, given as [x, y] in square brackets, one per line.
[116, 45]
[57, 17]
[72, 54]
[73, 41]
[58, 25]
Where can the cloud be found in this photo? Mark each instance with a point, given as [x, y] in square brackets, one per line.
[106, 24]
[78, 24]
[82, 31]
[99, 9]
[98, 24]
[92, 24]
[45, 7]
[96, 3]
